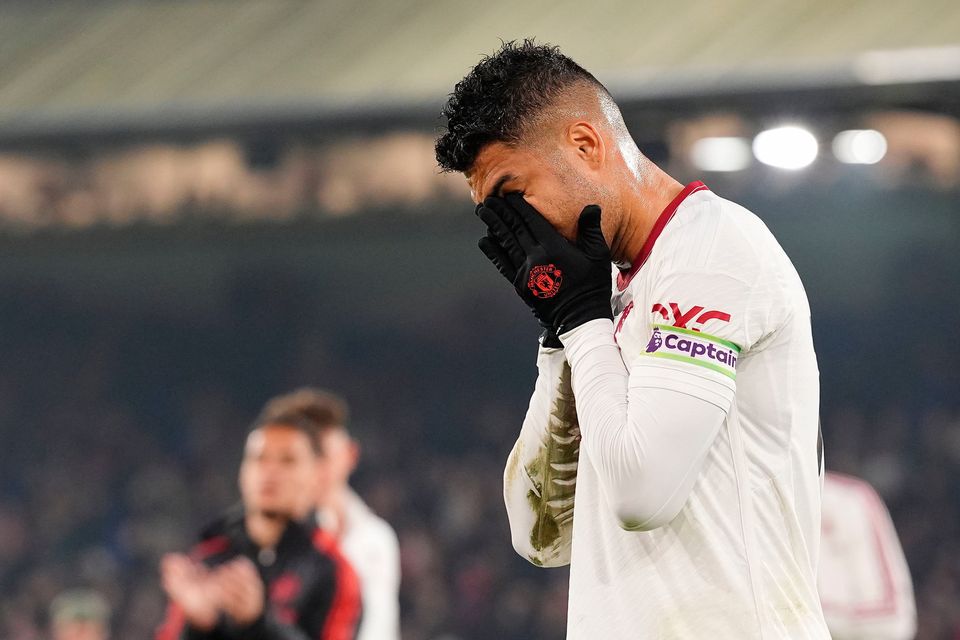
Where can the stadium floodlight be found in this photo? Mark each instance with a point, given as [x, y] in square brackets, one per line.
[721, 154]
[789, 147]
[860, 146]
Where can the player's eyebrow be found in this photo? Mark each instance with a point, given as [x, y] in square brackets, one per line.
[498, 186]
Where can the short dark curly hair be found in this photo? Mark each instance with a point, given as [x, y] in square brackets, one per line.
[500, 96]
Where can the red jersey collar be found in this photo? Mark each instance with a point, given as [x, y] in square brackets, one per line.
[626, 275]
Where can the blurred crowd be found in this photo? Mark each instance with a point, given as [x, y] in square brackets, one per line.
[122, 434]
[121, 439]
[219, 178]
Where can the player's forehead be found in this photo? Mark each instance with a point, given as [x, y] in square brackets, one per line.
[276, 438]
[496, 163]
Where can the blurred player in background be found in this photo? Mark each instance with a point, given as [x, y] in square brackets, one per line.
[670, 452]
[865, 584]
[79, 614]
[367, 540]
[266, 570]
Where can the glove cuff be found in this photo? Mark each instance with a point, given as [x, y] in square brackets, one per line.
[549, 339]
[583, 315]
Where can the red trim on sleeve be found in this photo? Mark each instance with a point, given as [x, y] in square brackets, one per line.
[887, 604]
[341, 622]
[625, 276]
[172, 626]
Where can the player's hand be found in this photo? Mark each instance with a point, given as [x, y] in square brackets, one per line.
[241, 591]
[566, 284]
[498, 255]
[189, 585]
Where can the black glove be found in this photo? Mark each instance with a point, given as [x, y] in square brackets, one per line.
[565, 284]
[498, 255]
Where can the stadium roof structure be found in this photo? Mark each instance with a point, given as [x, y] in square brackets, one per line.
[108, 65]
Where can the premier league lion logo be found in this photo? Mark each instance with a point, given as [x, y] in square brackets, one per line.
[545, 280]
[655, 341]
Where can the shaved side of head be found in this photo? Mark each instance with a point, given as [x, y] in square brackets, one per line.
[504, 99]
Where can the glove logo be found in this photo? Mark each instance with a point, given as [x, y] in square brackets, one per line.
[655, 341]
[545, 280]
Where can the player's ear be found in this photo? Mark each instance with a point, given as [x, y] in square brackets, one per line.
[587, 143]
[354, 453]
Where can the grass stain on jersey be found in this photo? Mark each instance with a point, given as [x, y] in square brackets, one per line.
[554, 471]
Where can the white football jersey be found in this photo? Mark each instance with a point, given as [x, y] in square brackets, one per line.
[865, 584]
[371, 546]
[712, 308]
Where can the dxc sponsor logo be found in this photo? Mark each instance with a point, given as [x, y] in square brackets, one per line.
[692, 319]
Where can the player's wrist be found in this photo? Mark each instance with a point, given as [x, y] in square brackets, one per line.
[593, 332]
[250, 630]
[586, 311]
[549, 338]
[202, 621]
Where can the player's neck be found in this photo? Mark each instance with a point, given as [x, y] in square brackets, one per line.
[265, 529]
[334, 506]
[643, 202]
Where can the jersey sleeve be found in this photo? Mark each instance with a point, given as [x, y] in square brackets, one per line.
[864, 581]
[645, 444]
[380, 592]
[175, 627]
[333, 609]
[539, 481]
[653, 392]
[704, 318]
[265, 628]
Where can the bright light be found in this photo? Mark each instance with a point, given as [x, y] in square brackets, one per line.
[860, 146]
[720, 154]
[785, 147]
